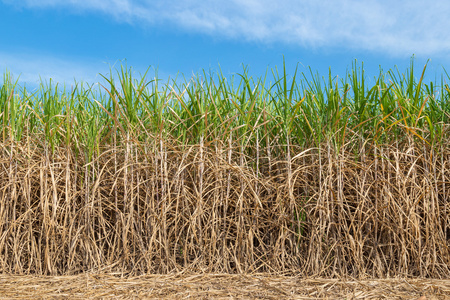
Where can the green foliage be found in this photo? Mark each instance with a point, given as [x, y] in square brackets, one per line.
[210, 107]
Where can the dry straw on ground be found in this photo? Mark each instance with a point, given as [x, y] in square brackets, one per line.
[217, 286]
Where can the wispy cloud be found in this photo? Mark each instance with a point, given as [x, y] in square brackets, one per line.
[398, 28]
[32, 68]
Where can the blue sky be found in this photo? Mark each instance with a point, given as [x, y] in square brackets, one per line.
[67, 39]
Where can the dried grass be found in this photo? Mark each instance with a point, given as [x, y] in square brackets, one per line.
[216, 286]
[146, 209]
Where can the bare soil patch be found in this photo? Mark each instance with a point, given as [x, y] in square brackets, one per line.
[216, 286]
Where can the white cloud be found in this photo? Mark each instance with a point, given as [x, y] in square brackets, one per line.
[398, 28]
[32, 68]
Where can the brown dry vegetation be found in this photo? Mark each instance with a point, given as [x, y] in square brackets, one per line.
[217, 286]
[161, 209]
[353, 194]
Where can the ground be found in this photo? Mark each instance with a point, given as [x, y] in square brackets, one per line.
[216, 286]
